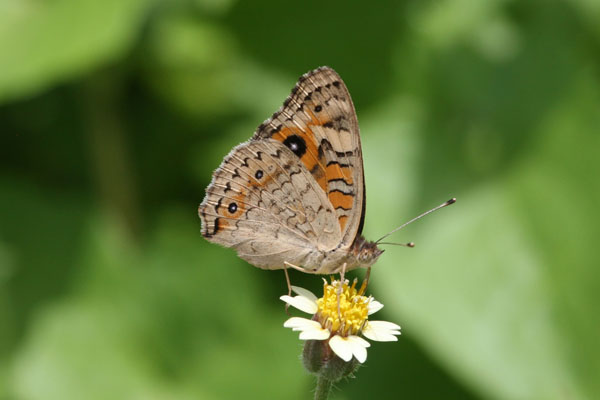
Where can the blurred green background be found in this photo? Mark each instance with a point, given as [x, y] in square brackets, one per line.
[113, 115]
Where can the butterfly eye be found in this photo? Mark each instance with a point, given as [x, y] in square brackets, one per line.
[318, 108]
[232, 208]
[258, 174]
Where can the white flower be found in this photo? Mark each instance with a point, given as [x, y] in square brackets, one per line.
[340, 318]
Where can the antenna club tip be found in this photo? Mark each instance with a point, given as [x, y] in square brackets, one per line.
[410, 244]
[451, 201]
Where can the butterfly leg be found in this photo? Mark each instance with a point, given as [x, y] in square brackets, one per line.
[339, 291]
[287, 279]
[289, 285]
[297, 268]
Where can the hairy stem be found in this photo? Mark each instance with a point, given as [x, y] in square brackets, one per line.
[323, 388]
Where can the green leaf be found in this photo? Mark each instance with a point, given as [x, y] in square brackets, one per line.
[47, 42]
[502, 287]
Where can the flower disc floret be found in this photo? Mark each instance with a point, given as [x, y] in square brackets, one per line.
[346, 316]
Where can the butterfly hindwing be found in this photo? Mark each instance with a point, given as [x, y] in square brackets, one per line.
[265, 204]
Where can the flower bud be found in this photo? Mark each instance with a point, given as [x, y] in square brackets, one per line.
[320, 360]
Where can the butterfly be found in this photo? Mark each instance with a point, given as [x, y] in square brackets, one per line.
[294, 194]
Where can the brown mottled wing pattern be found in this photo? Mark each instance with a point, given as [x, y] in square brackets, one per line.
[265, 204]
[295, 191]
[318, 123]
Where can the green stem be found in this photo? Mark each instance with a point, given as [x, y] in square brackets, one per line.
[323, 388]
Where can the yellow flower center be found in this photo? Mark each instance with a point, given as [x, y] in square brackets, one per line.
[345, 312]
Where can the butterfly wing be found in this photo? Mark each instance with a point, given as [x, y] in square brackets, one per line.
[295, 191]
[318, 124]
[266, 205]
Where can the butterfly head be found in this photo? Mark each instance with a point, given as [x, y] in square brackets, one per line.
[366, 252]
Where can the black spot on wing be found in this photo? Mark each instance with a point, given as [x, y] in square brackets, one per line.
[335, 162]
[296, 144]
[216, 229]
[343, 208]
[232, 208]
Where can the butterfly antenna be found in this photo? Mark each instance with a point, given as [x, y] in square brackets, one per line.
[409, 244]
[444, 204]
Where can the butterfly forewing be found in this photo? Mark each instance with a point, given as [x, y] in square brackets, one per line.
[318, 123]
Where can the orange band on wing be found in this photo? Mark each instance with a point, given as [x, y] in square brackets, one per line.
[334, 171]
[314, 120]
[341, 200]
[343, 219]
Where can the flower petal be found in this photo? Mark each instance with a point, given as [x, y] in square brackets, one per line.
[309, 329]
[359, 341]
[380, 331]
[358, 348]
[341, 347]
[305, 293]
[374, 306]
[379, 337]
[390, 326]
[315, 333]
[301, 303]
[300, 324]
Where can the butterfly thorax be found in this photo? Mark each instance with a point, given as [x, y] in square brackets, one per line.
[361, 254]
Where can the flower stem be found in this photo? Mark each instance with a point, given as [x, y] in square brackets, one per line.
[323, 388]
